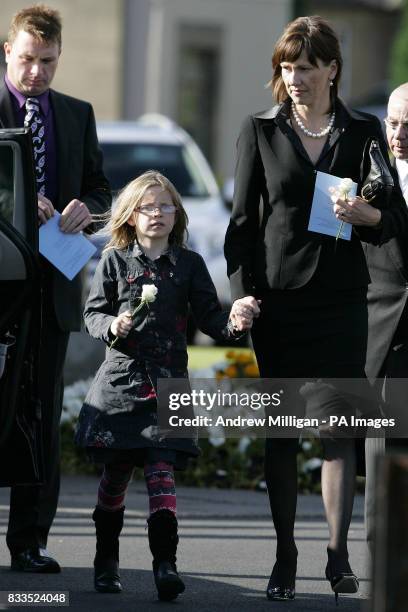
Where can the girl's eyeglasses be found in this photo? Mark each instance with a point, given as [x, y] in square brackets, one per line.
[150, 209]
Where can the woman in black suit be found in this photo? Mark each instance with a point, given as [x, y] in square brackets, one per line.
[308, 289]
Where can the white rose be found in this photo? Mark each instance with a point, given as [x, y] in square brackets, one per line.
[345, 187]
[149, 293]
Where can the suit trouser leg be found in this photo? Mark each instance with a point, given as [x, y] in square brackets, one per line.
[32, 508]
[394, 393]
[374, 447]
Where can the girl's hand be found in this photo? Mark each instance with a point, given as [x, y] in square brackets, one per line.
[121, 326]
[243, 312]
[356, 211]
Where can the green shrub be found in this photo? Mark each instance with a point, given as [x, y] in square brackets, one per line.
[227, 466]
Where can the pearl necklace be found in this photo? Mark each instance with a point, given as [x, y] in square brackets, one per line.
[308, 132]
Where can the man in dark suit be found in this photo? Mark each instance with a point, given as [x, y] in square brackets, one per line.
[68, 163]
[387, 350]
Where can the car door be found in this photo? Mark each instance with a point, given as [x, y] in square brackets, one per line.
[20, 294]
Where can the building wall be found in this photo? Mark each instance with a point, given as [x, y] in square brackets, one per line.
[246, 30]
[91, 65]
[369, 35]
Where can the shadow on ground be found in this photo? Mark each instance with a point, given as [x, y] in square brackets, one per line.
[203, 594]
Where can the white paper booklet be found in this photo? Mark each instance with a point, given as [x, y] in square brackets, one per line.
[322, 218]
[67, 252]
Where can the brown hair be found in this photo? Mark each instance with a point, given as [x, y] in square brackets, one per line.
[122, 234]
[313, 35]
[42, 22]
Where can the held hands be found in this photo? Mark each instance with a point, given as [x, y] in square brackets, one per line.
[244, 311]
[356, 211]
[121, 326]
[75, 217]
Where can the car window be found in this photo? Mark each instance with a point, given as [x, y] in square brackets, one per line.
[125, 161]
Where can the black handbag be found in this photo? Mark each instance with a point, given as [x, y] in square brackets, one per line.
[378, 184]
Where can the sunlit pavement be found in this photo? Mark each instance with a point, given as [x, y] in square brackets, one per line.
[225, 555]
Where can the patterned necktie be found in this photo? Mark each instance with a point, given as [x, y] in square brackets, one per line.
[34, 122]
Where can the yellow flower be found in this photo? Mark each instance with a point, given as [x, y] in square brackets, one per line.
[220, 374]
[231, 371]
[251, 370]
[244, 358]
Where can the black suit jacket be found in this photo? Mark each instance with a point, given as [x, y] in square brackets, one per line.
[387, 296]
[268, 246]
[79, 175]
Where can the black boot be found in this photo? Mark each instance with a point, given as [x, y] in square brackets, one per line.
[163, 540]
[106, 563]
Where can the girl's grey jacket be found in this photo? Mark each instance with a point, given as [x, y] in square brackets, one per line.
[120, 409]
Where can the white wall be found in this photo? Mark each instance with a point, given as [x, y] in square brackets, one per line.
[250, 28]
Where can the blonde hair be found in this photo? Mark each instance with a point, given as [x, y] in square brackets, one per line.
[39, 20]
[121, 233]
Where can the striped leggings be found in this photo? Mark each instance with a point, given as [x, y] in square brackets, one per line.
[160, 485]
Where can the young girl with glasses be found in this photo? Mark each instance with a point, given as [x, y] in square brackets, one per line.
[138, 305]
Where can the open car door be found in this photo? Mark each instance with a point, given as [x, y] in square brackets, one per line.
[20, 295]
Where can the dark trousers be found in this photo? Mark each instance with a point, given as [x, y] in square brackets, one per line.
[395, 367]
[32, 508]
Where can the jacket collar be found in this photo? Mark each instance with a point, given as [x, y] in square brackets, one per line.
[172, 252]
[20, 99]
[341, 108]
[280, 115]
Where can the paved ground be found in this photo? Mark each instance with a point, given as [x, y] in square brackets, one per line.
[225, 554]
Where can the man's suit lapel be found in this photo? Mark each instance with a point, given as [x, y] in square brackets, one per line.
[397, 253]
[62, 143]
[7, 119]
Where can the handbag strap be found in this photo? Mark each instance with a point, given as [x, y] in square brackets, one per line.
[365, 159]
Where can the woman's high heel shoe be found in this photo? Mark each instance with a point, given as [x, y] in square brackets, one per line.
[281, 585]
[340, 575]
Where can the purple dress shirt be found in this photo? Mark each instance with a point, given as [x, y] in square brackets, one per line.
[18, 101]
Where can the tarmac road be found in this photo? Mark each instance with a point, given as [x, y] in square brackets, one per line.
[225, 556]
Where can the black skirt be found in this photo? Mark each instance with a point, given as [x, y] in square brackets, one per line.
[312, 332]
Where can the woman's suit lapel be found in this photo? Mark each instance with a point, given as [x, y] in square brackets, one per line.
[278, 142]
[281, 146]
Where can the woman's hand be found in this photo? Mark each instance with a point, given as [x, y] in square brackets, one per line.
[121, 326]
[356, 211]
[243, 312]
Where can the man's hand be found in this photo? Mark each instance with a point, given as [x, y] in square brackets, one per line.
[122, 325]
[75, 217]
[45, 209]
[243, 312]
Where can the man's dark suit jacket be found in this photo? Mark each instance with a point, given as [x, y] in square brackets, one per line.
[387, 296]
[269, 246]
[79, 175]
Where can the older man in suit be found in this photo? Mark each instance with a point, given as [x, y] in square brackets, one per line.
[387, 350]
[68, 164]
